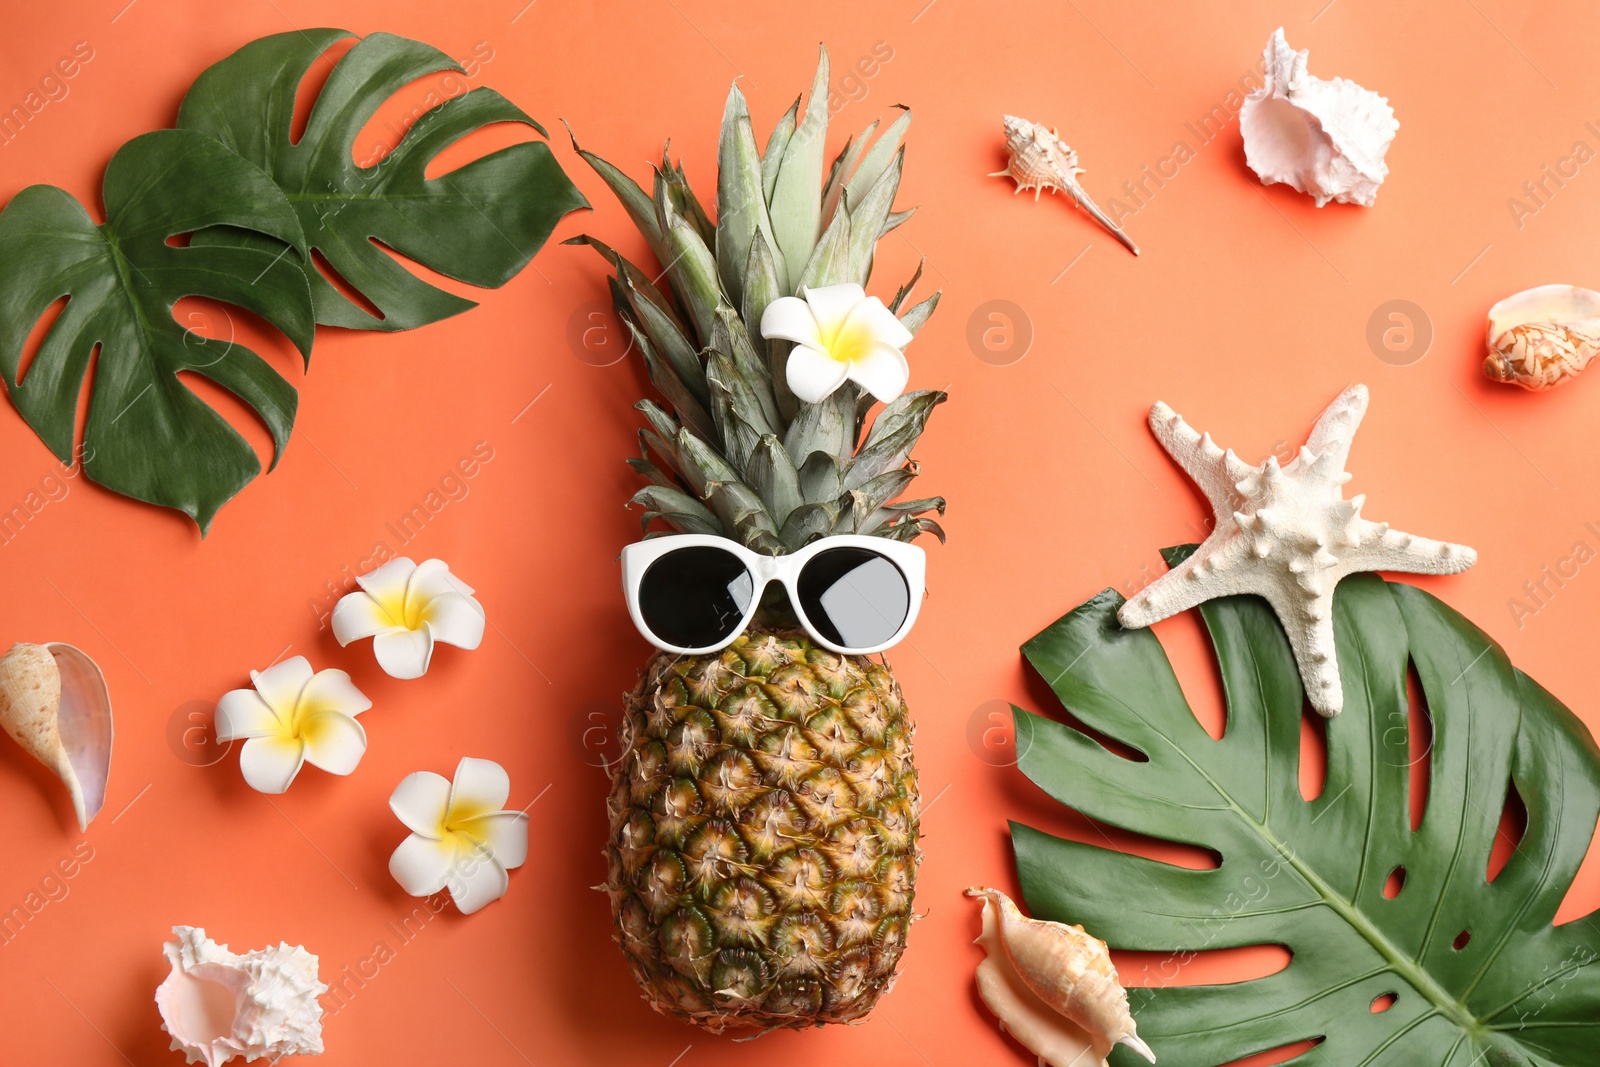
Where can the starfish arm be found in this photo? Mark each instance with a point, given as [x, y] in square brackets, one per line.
[1383, 549]
[1213, 469]
[1211, 572]
[1308, 623]
[1336, 426]
[1179, 589]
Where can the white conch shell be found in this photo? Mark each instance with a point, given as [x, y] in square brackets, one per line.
[1542, 337]
[218, 1005]
[1040, 159]
[1325, 138]
[54, 703]
[1052, 986]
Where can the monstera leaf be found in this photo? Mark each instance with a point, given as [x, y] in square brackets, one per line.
[480, 223]
[1477, 970]
[148, 436]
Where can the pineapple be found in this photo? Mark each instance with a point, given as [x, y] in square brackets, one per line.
[763, 812]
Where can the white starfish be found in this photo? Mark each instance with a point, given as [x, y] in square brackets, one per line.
[1285, 533]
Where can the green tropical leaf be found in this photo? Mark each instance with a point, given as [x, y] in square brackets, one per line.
[777, 142]
[665, 378]
[883, 152]
[904, 292]
[691, 268]
[480, 223]
[918, 315]
[830, 258]
[823, 427]
[635, 201]
[806, 523]
[795, 206]
[683, 511]
[867, 220]
[741, 203]
[772, 474]
[844, 164]
[1479, 973]
[894, 433]
[148, 436]
[660, 324]
[761, 287]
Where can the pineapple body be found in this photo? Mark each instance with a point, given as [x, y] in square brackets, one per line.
[763, 814]
[763, 833]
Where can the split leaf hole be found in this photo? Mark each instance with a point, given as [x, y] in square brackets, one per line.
[1281, 1054]
[1419, 746]
[311, 85]
[1142, 971]
[343, 286]
[1513, 824]
[36, 336]
[1313, 753]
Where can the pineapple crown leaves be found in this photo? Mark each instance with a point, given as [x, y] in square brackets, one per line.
[733, 452]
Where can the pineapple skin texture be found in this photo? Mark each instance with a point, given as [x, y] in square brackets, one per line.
[763, 845]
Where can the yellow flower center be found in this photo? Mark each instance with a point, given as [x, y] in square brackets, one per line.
[401, 609]
[453, 826]
[310, 727]
[848, 340]
[303, 723]
[457, 840]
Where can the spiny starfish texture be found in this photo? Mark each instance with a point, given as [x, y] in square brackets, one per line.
[1285, 533]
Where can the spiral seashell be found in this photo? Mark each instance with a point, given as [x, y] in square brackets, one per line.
[1325, 137]
[1542, 337]
[54, 703]
[218, 1005]
[1052, 986]
[1039, 159]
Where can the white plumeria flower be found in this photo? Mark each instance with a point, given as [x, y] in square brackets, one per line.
[293, 717]
[405, 607]
[461, 838]
[839, 332]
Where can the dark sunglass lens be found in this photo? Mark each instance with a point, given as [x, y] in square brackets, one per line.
[854, 597]
[695, 597]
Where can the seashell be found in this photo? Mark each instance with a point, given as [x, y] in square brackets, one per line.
[1542, 337]
[54, 703]
[217, 1005]
[1052, 986]
[1326, 139]
[1040, 160]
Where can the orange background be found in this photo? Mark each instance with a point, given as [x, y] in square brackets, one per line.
[1248, 311]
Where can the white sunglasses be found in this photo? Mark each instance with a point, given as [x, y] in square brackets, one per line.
[695, 593]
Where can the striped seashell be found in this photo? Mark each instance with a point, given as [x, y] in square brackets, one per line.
[1542, 337]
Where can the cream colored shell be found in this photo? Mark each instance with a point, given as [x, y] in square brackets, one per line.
[54, 703]
[1039, 159]
[1052, 986]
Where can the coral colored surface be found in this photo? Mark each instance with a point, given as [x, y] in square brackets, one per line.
[1248, 311]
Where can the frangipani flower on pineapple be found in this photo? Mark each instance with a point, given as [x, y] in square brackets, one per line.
[461, 839]
[839, 333]
[293, 717]
[405, 608]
